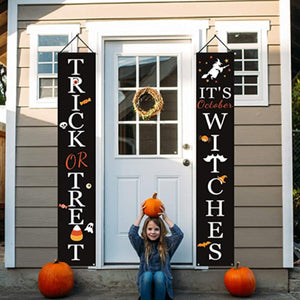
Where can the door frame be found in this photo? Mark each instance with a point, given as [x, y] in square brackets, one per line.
[98, 34]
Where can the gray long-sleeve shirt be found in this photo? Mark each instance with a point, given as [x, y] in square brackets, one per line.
[154, 264]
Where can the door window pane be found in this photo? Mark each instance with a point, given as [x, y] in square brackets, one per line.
[126, 111]
[127, 139]
[169, 111]
[127, 71]
[168, 139]
[168, 71]
[148, 139]
[147, 71]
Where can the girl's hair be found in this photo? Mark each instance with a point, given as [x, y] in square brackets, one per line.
[162, 245]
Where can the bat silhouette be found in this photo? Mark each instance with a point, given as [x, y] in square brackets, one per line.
[204, 244]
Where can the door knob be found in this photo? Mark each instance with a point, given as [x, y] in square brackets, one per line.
[186, 162]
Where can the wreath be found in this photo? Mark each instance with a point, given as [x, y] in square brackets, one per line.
[147, 102]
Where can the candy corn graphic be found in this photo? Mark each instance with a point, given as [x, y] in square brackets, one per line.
[76, 234]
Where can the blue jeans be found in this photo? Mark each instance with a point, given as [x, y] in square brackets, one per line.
[153, 283]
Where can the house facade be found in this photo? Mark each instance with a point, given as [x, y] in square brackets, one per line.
[138, 44]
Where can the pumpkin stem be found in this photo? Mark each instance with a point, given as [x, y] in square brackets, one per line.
[154, 195]
[56, 261]
[237, 264]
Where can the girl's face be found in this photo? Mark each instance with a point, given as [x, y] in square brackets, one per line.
[152, 231]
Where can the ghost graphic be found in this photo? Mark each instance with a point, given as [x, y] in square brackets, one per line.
[89, 228]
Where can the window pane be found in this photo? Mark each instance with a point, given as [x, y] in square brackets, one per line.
[250, 79]
[55, 68]
[238, 79]
[55, 56]
[127, 139]
[147, 71]
[169, 111]
[148, 139]
[251, 53]
[126, 110]
[45, 68]
[53, 40]
[241, 37]
[250, 90]
[168, 138]
[55, 92]
[251, 65]
[45, 92]
[168, 71]
[237, 54]
[44, 56]
[237, 65]
[127, 71]
[46, 82]
[238, 90]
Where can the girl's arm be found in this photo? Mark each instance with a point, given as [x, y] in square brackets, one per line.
[133, 235]
[175, 239]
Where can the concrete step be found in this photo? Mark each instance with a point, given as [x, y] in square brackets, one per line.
[296, 295]
[195, 281]
[122, 294]
[294, 285]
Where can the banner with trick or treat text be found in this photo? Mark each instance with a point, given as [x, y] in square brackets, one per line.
[76, 158]
[215, 159]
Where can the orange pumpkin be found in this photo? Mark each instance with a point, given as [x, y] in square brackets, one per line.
[56, 279]
[152, 206]
[240, 281]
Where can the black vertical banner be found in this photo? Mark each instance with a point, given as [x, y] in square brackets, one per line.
[215, 159]
[76, 158]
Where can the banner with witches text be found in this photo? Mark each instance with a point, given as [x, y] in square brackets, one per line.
[215, 159]
[76, 158]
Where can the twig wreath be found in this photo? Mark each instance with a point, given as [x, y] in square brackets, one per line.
[147, 102]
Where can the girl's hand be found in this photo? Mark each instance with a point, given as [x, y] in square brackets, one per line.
[163, 212]
[141, 215]
[142, 208]
[165, 217]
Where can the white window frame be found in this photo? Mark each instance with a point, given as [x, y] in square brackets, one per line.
[261, 28]
[34, 31]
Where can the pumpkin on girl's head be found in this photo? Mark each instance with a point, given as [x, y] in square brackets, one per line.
[56, 279]
[152, 206]
[240, 281]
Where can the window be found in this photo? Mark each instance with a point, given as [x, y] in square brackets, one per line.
[158, 135]
[249, 44]
[45, 43]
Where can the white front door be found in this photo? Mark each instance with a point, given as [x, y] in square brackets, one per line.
[144, 156]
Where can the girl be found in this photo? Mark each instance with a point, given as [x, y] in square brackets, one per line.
[155, 250]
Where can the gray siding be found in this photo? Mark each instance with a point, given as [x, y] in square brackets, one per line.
[258, 199]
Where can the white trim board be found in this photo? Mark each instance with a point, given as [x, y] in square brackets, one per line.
[286, 134]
